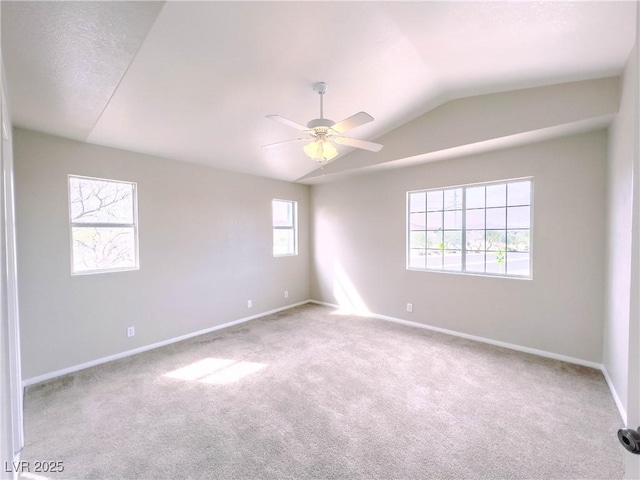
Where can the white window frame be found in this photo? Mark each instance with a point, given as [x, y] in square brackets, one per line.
[133, 226]
[463, 229]
[293, 227]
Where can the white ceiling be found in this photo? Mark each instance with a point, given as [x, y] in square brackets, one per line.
[194, 81]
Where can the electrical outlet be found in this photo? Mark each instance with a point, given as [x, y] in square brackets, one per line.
[409, 307]
[249, 303]
[131, 331]
[286, 294]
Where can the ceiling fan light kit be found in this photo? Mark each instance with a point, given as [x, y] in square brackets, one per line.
[324, 132]
[321, 150]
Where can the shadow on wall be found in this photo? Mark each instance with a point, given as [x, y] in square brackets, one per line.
[345, 293]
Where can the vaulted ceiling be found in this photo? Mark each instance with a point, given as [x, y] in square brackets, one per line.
[193, 81]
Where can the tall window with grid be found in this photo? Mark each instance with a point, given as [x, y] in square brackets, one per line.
[285, 228]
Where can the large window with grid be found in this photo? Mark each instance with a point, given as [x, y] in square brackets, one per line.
[285, 229]
[103, 224]
[476, 229]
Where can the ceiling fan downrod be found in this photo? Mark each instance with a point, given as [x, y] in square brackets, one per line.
[320, 123]
[321, 88]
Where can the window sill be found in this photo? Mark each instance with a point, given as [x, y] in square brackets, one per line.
[109, 270]
[473, 274]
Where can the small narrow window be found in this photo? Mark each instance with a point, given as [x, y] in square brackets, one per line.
[103, 223]
[285, 228]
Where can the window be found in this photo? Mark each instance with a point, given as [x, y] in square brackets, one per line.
[477, 229]
[103, 219]
[285, 228]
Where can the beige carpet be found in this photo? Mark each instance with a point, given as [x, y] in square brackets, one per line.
[308, 394]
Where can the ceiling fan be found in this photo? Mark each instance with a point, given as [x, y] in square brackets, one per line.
[322, 132]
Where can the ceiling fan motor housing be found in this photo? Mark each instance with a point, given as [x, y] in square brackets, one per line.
[320, 122]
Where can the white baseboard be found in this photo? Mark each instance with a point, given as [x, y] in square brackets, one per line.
[511, 346]
[542, 353]
[621, 408]
[128, 353]
[519, 348]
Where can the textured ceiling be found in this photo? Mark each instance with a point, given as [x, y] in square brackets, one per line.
[64, 60]
[193, 81]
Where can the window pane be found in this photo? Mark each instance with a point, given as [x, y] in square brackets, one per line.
[417, 239]
[417, 258]
[434, 240]
[453, 219]
[418, 221]
[475, 219]
[496, 240]
[496, 195]
[475, 197]
[496, 217]
[103, 248]
[283, 241]
[282, 213]
[518, 240]
[434, 260]
[475, 262]
[101, 201]
[519, 193]
[434, 221]
[453, 239]
[418, 202]
[518, 217]
[518, 264]
[475, 240]
[434, 200]
[452, 260]
[453, 199]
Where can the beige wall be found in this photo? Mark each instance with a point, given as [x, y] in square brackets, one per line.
[205, 249]
[359, 238]
[619, 221]
[205, 243]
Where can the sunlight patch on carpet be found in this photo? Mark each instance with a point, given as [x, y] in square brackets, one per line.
[217, 371]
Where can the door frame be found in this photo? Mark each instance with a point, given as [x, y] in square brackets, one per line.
[9, 282]
[632, 462]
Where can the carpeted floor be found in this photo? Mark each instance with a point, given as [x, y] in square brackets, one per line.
[308, 394]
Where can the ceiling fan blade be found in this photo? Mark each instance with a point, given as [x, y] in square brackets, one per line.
[354, 142]
[287, 141]
[286, 121]
[353, 121]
